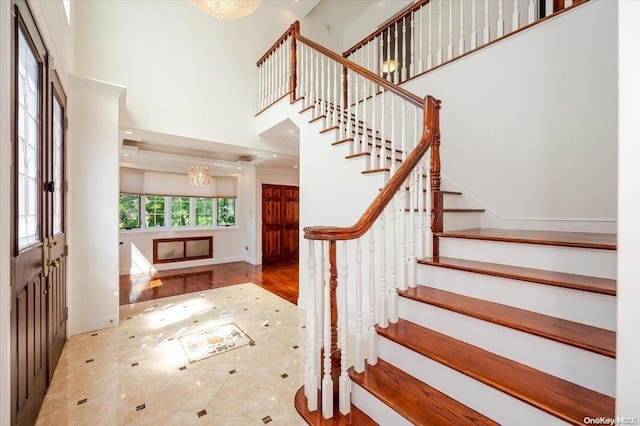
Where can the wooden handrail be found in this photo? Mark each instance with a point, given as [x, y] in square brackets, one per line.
[403, 93]
[293, 29]
[385, 26]
[430, 134]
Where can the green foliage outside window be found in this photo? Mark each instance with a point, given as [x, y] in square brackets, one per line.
[129, 211]
[155, 211]
[179, 211]
[226, 211]
[204, 211]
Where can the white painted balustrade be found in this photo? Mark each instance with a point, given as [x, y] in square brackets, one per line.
[438, 31]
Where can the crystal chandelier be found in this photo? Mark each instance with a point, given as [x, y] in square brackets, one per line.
[227, 9]
[200, 175]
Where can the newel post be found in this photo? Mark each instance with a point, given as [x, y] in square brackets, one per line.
[333, 284]
[432, 109]
[293, 78]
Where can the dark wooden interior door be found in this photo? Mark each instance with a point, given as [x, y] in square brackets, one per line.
[280, 207]
[38, 280]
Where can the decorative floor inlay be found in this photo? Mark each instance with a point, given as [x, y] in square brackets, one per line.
[164, 388]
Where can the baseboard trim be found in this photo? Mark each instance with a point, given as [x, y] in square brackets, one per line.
[94, 325]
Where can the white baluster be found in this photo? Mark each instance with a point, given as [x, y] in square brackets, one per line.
[336, 105]
[311, 378]
[320, 312]
[388, 59]
[430, 54]
[515, 17]
[412, 66]
[413, 180]
[532, 11]
[380, 39]
[421, 213]
[439, 57]
[372, 358]
[328, 101]
[500, 32]
[348, 127]
[344, 382]
[342, 119]
[383, 314]
[450, 48]
[403, 205]
[403, 75]
[318, 79]
[383, 139]
[279, 71]
[393, 135]
[322, 98]
[393, 294]
[357, 140]
[375, 161]
[358, 361]
[259, 107]
[461, 40]
[327, 381]
[396, 56]
[486, 21]
[474, 32]
[420, 63]
[365, 135]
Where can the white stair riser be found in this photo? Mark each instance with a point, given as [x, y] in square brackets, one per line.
[581, 261]
[583, 367]
[485, 399]
[598, 310]
[377, 410]
[453, 221]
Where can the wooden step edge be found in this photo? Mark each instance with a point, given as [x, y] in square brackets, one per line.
[341, 141]
[366, 172]
[413, 399]
[558, 279]
[366, 154]
[476, 234]
[328, 129]
[314, 119]
[582, 336]
[355, 417]
[453, 210]
[303, 110]
[560, 398]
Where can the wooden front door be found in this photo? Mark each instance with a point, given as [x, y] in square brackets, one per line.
[280, 207]
[38, 279]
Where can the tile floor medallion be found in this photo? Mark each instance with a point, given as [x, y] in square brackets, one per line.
[139, 374]
[214, 341]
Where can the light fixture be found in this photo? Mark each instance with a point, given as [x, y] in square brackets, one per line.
[390, 66]
[227, 9]
[128, 132]
[200, 175]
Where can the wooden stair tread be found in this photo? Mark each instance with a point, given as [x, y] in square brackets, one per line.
[553, 238]
[413, 399]
[558, 279]
[453, 210]
[582, 336]
[366, 154]
[355, 417]
[563, 399]
[375, 171]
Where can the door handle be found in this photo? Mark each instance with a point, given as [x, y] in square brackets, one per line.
[46, 252]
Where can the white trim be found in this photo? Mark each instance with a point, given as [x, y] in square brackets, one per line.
[100, 86]
[98, 324]
[185, 264]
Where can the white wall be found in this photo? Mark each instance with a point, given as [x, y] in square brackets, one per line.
[186, 73]
[136, 250]
[5, 212]
[529, 124]
[628, 341]
[93, 174]
[369, 20]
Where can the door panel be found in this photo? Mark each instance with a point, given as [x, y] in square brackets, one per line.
[280, 223]
[271, 223]
[291, 223]
[38, 285]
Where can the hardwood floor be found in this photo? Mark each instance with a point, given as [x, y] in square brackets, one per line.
[280, 279]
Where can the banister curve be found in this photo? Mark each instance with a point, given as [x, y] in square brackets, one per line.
[430, 133]
[403, 93]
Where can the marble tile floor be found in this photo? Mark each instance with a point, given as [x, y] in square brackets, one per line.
[138, 373]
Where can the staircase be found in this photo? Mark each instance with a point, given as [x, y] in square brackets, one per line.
[482, 326]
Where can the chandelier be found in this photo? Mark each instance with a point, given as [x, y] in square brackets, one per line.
[227, 9]
[200, 175]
